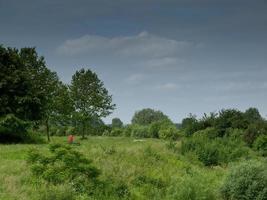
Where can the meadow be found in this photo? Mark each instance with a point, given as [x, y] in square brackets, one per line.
[151, 168]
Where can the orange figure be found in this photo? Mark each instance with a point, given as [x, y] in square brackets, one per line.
[70, 139]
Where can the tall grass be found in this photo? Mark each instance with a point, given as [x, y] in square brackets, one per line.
[146, 169]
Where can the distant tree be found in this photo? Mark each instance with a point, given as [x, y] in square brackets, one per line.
[147, 116]
[190, 124]
[116, 123]
[230, 118]
[90, 97]
[252, 115]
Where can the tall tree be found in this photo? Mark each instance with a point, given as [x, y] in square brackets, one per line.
[25, 83]
[116, 123]
[90, 97]
[27, 86]
[59, 106]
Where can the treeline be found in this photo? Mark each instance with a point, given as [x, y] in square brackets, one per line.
[230, 129]
[32, 97]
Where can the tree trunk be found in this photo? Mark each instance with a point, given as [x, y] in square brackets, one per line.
[47, 129]
[83, 133]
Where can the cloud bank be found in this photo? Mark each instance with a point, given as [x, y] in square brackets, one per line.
[144, 45]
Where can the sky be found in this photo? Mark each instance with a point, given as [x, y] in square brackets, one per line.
[177, 56]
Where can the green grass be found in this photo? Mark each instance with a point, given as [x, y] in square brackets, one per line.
[148, 167]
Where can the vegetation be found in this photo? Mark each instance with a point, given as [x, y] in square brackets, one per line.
[218, 156]
[247, 181]
[90, 97]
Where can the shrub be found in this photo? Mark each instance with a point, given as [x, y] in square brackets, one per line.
[169, 133]
[209, 154]
[127, 131]
[106, 133]
[116, 132]
[214, 151]
[64, 166]
[14, 130]
[247, 181]
[140, 131]
[155, 127]
[260, 145]
[171, 145]
[253, 131]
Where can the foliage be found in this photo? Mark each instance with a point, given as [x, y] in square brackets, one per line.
[116, 132]
[192, 187]
[253, 131]
[214, 151]
[116, 123]
[90, 97]
[140, 131]
[170, 132]
[147, 116]
[247, 181]
[246, 126]
[14, 130]
[62, 166]
[230, 118]
[92, 126]
[155, 127]
[260, 145]
[26, 83]
[252, 115]
[190, 125]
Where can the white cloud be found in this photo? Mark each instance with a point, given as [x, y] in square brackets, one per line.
[144, 45]
[168, 86]
[163, 63]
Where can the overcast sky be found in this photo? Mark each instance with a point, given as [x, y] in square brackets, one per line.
[177, 56]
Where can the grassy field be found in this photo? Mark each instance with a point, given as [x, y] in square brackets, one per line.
[151, 168]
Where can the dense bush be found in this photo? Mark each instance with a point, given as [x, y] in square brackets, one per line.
[260, 145]
[190, 125]
[253, 131]
[169, 133]
[127, 131]
[113, 132]
[214, 151]
[14, 130]
[116, 132]
[140, 131]
[248, 181]
[155, 127]
[63, 166]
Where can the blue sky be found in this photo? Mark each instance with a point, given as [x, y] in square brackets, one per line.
[177, 56]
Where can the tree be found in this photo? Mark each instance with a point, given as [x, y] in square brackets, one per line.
[90, 97]
[116, 123]
[26, 84]
[252, 115]
[230, 118]
[190, 125]
[147, 116]
[59, 106]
